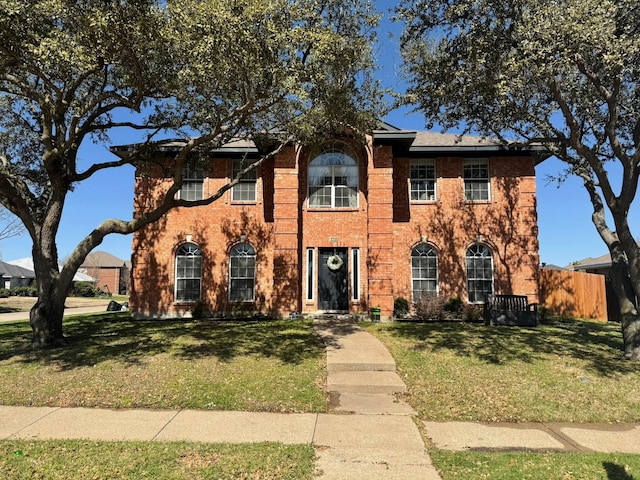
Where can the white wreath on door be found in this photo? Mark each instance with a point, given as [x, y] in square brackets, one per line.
[334, 262]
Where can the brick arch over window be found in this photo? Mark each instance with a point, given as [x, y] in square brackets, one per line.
[424, 271]
[188, 274]
[333, 177]
[479, 260]
[242, 273]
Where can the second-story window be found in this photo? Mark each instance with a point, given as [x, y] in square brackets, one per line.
[476, 179]
[333, 179]
[192, 184]
[423, 180]
[245, 190]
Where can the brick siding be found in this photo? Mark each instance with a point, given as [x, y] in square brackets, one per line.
[385, 226]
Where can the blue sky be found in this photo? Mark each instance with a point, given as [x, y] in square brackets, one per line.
[566, 233]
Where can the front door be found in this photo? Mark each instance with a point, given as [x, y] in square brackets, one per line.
[333, 285]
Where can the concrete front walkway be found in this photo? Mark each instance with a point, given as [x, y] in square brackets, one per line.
[376, 436]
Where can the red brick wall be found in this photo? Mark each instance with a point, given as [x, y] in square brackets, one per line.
[384, 227]
[106, 276]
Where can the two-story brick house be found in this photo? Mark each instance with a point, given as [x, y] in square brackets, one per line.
[340, 227]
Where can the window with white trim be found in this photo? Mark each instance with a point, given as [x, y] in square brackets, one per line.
[188, 273]
[192, 184]
[242, 273]
[424, 271]
[423, 180]
[479, 273]
[310, 273]
[476, 179]
[245, 189]
[355, 274]
[333, 179]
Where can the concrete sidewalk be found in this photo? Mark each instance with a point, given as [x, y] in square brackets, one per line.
[535, 437]
[24, 316]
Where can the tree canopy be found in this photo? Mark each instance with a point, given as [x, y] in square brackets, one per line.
[563, 73]
[207, 71]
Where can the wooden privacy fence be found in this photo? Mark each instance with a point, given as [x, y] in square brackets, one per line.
[574, 294]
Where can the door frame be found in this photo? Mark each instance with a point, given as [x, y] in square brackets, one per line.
[340, 275]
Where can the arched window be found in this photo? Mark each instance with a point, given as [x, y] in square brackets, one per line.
[242, 273]
[424, 271]
[479, 273]
[333, 179]
[188, 273]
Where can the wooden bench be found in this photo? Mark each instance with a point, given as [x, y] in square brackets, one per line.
[513, 310]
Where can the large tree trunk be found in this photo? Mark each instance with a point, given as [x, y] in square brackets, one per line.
[631, 335]
[45, 319]
[46, 315]
[627, 304]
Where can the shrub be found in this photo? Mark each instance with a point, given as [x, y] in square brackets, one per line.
[400, 307]
[429, 307]
[472, 312]
[198, 310]
[83, 289]
[5, 293]
[24, 291]
[453, 305]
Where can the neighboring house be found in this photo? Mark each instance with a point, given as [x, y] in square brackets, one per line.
[339, 227]
[111, 273]
[600, 265]
[27, 263]
[15, 276]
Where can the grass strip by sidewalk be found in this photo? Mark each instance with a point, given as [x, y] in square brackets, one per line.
[561, 371]
[116, 362]
[72, 459]
[535, 466]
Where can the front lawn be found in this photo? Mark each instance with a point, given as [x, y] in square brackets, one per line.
[562, 371]
[73, 459]
[535, 466]
[116, 362]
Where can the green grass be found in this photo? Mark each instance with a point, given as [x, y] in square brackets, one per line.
[61, 460]
[115, 362]
[565, 371]
[535, 466]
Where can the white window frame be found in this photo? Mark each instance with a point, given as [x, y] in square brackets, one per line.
[247, 184]
[477, 180]
[192, 184]
[429, 253]
[355, 274]
[479, 253]
[185, 252]
[243, 253]
[338, 162]
[311, 281]
[422, 181]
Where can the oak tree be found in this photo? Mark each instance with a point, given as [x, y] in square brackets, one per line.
[563, 73]
[205, 71]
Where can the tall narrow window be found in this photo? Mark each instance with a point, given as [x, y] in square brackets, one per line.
[476, 179]
[424, 271]
[310, 273]
[355, 274]
[245, 190]
[333, 179]
[479, 273]
[423, 180]
[192, 184]
[188, 273]
[242, 273]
